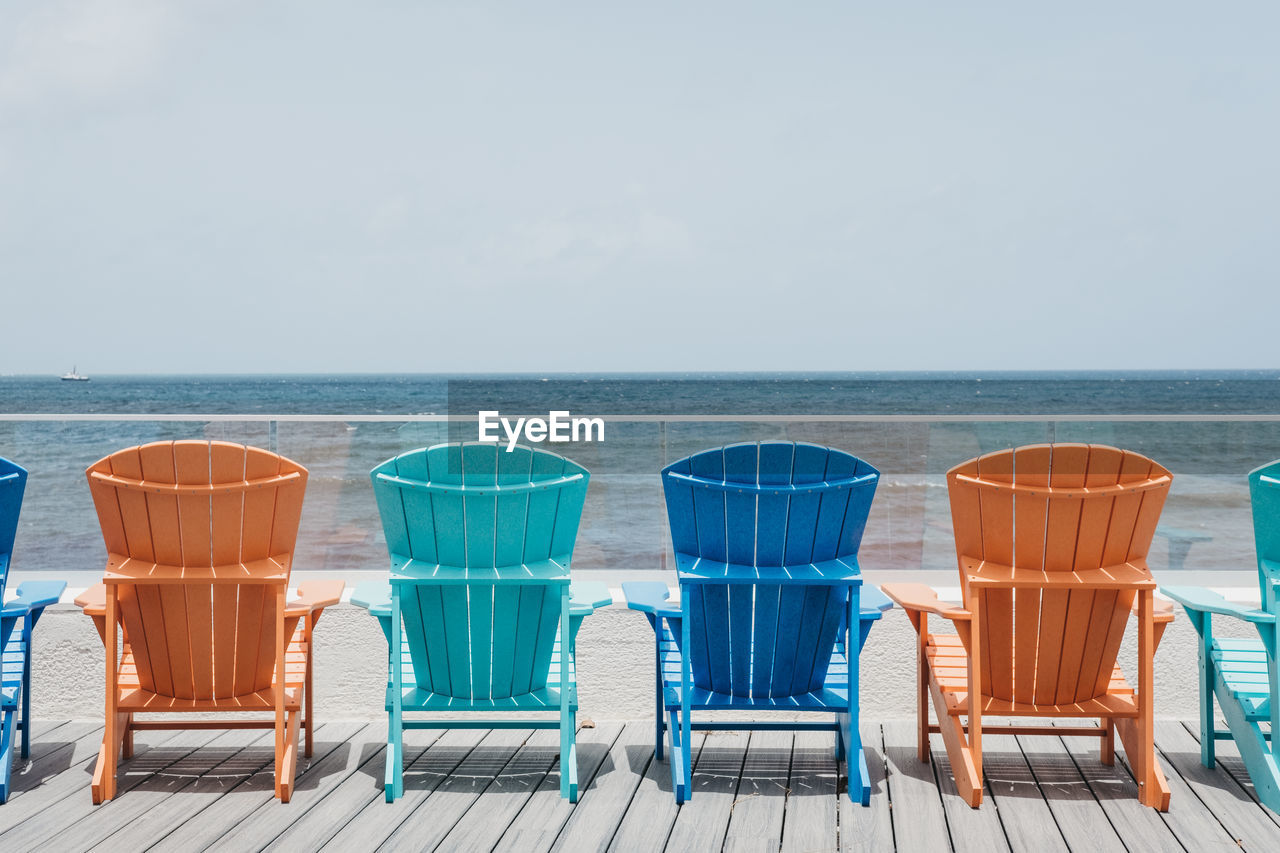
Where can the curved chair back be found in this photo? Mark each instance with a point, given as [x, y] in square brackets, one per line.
[1264, 497]
[1053, 508]
[481, 540]
[778, 524]
[13, 482]
[200, 538]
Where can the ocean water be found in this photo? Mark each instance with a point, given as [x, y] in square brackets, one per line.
[1206, 524]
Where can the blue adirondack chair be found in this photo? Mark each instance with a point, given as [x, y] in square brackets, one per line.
[766, 543]
[480, 601]
[17, 619]
[1242, 673]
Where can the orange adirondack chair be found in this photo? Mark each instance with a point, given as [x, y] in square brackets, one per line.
[1051, 541]
[200, 539]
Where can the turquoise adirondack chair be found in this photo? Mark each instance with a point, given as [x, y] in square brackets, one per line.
[766, 543]
[17, 619]
[1242, 673]
[480, 601]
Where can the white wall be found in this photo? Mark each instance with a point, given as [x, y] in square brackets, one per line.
[615, 666]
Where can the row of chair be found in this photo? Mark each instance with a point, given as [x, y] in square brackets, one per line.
[481, 615]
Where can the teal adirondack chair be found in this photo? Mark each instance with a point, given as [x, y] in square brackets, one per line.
[766, 543]
[480, 602]
[17, 619]
[1242, 673]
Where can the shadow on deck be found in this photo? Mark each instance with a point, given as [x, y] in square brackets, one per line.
[489, 790]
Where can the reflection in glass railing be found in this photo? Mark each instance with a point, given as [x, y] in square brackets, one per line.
[1206, 523]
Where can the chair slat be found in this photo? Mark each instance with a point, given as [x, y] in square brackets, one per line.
[997, 509]
[709, 506]
[741, 602]
[1031, 468]
[833, 509]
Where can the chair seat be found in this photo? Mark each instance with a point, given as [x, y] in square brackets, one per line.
[15, 652]
[134, 698]
[950, 665]
[834, 695]
[1241, 666]
[419, 699]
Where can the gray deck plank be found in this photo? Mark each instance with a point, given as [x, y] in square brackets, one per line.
[204, 825]
[360, 791]
[704, 818]
[867, 829]
[811, 796]
[142, 814]
[1239, 813]
[653, 809]
[491, 814]
[430, 756]
[47, 776]
[208, 788]
[756, 819]
[1027, 820]
[154, 751]
[424, 827]
[601, 807]
[1229, 760]
[539, 823]
[971, 829]
[915, 804]
[1187, 823]
[187, 790]
[1081, 819]
[270, 817]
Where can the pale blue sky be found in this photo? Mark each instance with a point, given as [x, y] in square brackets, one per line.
[314, 186]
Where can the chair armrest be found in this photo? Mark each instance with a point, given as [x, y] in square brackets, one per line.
[649, 597]
[872, 602]
[34, 595]
[93, 600]
[314, 595]
[586, 596]
[374, 596]
[1206, 601]
[917, 596]
[1164, 610]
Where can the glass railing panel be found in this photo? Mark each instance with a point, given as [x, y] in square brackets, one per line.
[1206, 524]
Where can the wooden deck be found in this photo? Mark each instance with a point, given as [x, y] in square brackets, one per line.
[487, 790]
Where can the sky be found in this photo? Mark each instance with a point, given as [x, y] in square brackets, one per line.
[310, 186]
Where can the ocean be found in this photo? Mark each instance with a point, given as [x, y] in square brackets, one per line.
[912, 426]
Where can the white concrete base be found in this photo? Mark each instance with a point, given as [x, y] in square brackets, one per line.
[615, 666]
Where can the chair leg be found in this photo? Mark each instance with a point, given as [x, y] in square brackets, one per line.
[26, 700]
[680, 755]
[568, 757]
[849, 743]
[287, 769]
[126, 745]
[308, 720]
[7, 724]
[1153, 789]
[922, 687]
[104, 773]
[1108, 750]
[658, 691]
[965, 757]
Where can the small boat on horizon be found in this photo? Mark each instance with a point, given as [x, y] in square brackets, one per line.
[74, 377]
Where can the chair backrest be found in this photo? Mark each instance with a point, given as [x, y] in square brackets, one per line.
[199, 505]
[1054, 508]
[13, 482]
[490, 536]
[768, 505]
[1264, 496]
